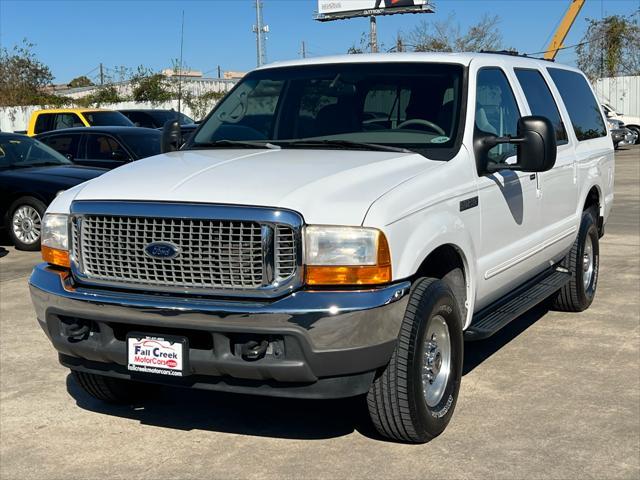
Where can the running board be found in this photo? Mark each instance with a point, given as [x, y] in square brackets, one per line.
[496, 316]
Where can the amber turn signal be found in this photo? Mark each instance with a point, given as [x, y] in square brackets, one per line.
[56, 257]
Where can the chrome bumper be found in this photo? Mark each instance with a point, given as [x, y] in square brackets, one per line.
[323, 333]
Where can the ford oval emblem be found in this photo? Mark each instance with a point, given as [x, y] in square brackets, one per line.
[162, 250]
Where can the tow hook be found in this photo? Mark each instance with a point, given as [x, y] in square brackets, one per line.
[253, 350]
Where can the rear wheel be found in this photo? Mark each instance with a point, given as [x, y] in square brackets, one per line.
[111, 390]
[583, 262]
[637, 130]
[413, 398]
[25, 223]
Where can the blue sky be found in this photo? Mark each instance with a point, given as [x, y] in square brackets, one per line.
[73, 37]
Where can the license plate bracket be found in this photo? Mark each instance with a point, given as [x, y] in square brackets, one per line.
[153, 354]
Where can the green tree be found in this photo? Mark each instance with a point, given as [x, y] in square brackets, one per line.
[81, 81]
[24, 78]
[611, 47]
[447, 36]
[150, 87]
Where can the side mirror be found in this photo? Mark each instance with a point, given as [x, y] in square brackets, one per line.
[536, 142]
[171, 136]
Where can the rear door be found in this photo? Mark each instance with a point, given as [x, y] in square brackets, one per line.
[557, 188]
[102, 150]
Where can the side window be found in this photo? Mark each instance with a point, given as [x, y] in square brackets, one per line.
[65, 144]
[496, 111]
[541, 101]
[101, 147]
[141, 119]
[43, 123]
[584, 111]
[67, 120]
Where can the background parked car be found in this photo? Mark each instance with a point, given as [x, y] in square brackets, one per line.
[157, 118]
[105, 147]
[56, 119]
[630, 122]
[31, 175]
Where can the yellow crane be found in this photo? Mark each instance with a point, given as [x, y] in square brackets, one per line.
[563, 29]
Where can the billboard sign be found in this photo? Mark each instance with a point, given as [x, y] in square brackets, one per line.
[337, 9]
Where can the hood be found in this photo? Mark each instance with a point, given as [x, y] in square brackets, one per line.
[325, 186]
[67, 174]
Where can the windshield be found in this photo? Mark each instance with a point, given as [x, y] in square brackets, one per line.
[22, 152]
[107, 119]
[409, 105]
[143, 145]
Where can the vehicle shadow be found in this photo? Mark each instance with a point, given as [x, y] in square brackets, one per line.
[477, 352]
[184, 409]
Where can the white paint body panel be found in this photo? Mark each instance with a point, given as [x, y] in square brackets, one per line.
[523, 223]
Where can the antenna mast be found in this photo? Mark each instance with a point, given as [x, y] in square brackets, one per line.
[261, 30]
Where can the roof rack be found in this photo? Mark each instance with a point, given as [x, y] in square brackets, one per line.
[515, 53]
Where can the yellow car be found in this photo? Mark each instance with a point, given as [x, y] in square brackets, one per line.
[55, 119]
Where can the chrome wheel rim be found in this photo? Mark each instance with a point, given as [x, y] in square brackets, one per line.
[27, 224]
[587, 263]
[436, 364]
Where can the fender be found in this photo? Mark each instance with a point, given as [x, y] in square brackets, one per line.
[412, 240]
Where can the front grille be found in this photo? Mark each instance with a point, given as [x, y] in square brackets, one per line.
[213, 254]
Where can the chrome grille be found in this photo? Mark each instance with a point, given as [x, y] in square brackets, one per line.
[214, 254]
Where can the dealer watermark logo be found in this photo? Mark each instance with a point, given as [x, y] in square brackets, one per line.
[162, 250]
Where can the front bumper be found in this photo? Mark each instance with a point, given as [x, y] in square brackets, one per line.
[326, 344]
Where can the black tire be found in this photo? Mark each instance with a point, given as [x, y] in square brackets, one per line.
[30, 203]
[397, 405]
[111, 390]
[575, 296]
[637, 130]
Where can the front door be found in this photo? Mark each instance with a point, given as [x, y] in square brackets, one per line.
[509, 203]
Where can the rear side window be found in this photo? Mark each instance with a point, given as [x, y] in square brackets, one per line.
[67, 120]
[64, 144]
[582, 106]
[541, 101]
[43, 123]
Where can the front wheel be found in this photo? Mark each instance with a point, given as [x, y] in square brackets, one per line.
[111, 390]
[25, 223]
[414, 397]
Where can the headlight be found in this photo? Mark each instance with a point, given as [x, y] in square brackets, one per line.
[346, 256]
[55, 239]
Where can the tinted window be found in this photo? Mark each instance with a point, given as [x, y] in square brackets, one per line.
[399, 104]
[67, 120]
[20, 151]
[541, 100]
[140, 119]
[496, 111]
[63, 144]
[101, 147]
[143, 145]
[582, 106]
[43, 123]
[161, 116]
[106, 118]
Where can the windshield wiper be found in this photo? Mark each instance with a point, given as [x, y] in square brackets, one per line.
[234, 144]
[342, 144]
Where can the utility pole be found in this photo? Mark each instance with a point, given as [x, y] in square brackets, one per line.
[260, 29]
[373, 34]
[303, 50]
[219, 72]
[101, 75]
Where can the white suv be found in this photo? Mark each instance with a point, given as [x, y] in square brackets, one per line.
[335, 227]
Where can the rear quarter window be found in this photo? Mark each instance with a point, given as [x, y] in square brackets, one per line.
[584, 110]
[43, 123]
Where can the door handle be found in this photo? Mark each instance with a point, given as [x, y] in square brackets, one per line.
[532, 176]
